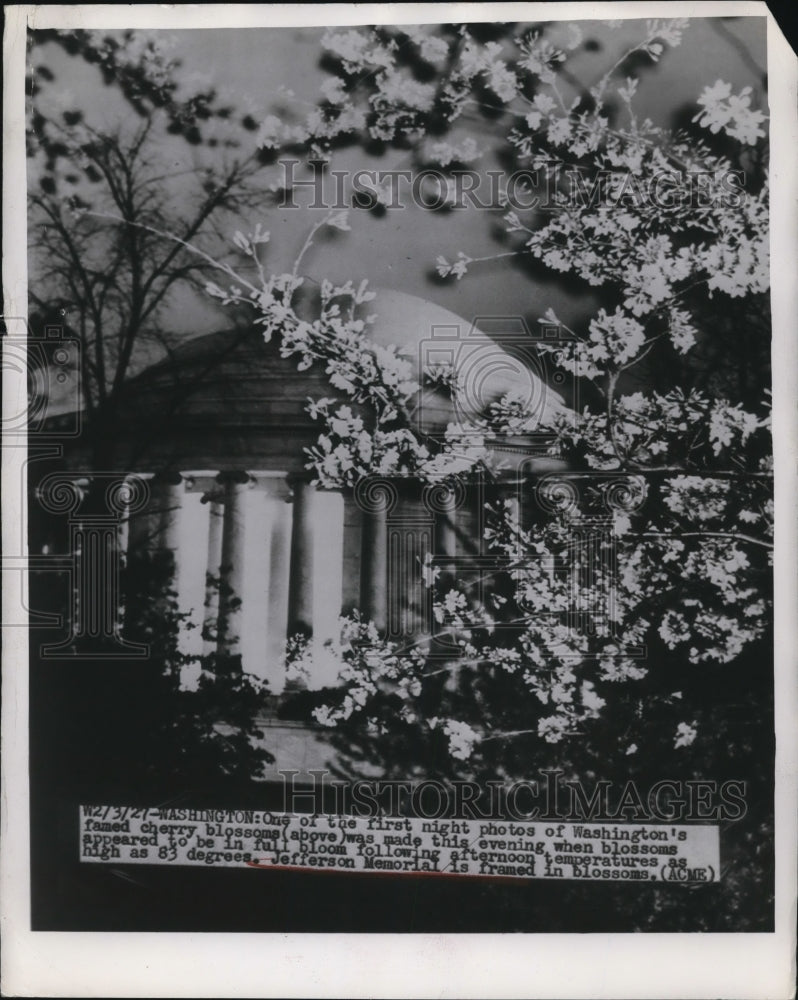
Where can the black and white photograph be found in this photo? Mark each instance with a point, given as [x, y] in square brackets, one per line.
[395, 474]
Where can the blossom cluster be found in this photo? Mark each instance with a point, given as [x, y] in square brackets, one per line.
[704, 516]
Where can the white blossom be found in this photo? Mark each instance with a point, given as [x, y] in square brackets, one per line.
[685, 735]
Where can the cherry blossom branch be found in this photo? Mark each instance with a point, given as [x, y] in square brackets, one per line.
[220, 265]
[735, 535]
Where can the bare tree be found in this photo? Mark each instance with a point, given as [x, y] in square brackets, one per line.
[101, 197]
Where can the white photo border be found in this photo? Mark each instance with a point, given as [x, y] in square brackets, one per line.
[443, 965]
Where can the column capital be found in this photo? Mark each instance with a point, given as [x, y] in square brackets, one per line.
[297, 479]
[168, 477]
[233, 477]
[231, 569]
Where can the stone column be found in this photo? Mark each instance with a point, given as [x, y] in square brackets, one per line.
[134, 498]
[316, 581]
[328, 586]
[213, 571]
[190, 534]
[442, 501]
[300, 589]
[514, 518]
[143, 523]
[276, 611]
[374, 568]
[167, 501]
[123, 534]
[376, 498]
[446, 537]
[328, 563]
[232, 563]
[169, 489]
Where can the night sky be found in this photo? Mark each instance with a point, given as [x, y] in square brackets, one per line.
[398, 250]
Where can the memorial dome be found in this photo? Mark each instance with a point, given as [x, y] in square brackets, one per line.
[224, 398]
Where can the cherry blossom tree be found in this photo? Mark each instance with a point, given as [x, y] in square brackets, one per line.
[671, 229]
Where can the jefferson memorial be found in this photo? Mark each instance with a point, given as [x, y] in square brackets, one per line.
[214, 434]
